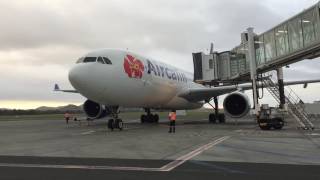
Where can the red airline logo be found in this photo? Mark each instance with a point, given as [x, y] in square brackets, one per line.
[133, 67]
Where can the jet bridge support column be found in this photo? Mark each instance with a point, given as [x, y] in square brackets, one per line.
[281, 88]
[215, 99]
[253, 69]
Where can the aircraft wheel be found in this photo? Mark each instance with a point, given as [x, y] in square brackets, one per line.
[278, 123]
[119, 124]
[143, 118]
[212, 118]
[150, 118]
[156, 118]
[268, 127]
[111, 124]
[222, 118]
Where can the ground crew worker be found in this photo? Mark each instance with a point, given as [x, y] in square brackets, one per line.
[67, 117]
[172, 119]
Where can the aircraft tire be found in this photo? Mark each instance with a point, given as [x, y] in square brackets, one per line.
[212, 118]
[222, 118]
[119, 124]
[150, 118]
[278, 123]
[143, 118]
[156, 118]
[111, 124]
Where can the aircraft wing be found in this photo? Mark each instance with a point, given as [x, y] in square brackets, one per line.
[57, 88]
[200, 94]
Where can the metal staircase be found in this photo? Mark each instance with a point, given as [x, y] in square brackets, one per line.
[295, 104]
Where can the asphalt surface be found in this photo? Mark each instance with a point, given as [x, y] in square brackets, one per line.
[37, 149]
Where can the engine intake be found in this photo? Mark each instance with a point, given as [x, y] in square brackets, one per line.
[236, 105]
[95, 110]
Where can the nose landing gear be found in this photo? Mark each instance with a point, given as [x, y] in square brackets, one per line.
[115, 122]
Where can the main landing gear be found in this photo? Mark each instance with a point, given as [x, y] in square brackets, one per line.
[216, 116]
[150, 118]
[115, 122]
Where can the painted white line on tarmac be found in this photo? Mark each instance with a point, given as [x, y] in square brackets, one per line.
[52, 166]
[314, 134]
[168, 167]
[87, 132]
[238, 130]
[172, 165]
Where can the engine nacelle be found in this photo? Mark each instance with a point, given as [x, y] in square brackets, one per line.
[95, 110]
[236, 105]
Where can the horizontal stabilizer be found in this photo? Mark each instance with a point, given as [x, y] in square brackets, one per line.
[57, 88]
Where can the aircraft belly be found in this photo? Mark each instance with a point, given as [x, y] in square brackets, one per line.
[137, 93]
[178, 103]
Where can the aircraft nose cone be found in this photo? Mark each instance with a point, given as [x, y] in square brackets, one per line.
[76, 77]
[73, 76]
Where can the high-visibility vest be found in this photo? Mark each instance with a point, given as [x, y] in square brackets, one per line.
[66, 115]
[173, 116]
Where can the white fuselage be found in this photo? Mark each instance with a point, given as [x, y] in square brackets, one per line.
[132, 81]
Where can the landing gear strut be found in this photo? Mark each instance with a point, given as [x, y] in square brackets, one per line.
[216, 115]
[150, 118]
[115, 122]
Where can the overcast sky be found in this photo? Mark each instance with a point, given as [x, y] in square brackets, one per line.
[41, 39]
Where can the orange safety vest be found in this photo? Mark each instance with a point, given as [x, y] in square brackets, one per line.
[173, 116]
[66, 115]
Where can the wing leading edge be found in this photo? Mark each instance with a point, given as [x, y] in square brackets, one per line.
[200, 94]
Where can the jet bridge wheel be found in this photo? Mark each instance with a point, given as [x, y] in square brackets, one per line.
[278, 123]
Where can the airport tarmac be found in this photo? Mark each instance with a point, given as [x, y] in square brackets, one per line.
[49, 149]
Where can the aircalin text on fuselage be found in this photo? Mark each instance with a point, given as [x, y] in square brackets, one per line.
[162, 71]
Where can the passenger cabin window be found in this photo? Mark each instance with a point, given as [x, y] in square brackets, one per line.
[100, 60]
[90, 59]
[107, 60]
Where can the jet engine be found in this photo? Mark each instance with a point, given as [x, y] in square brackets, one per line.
[236, 105]
[95, 110]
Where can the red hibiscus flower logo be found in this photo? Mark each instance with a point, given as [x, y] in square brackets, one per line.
[133, 67]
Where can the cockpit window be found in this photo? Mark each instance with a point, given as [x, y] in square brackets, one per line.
[107, 60]
[100, 60]
[80, 60]
[89, 59]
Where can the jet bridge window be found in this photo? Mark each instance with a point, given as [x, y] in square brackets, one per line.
[210, 63]
[107, 60]
[90, 59]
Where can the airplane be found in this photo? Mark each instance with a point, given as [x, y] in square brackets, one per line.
[112, 78]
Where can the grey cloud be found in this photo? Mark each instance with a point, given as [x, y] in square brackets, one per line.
[52, 34]
[308, 69]
[178, 26]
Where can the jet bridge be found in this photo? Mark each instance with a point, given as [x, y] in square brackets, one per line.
[293, 40]
[296, 39]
